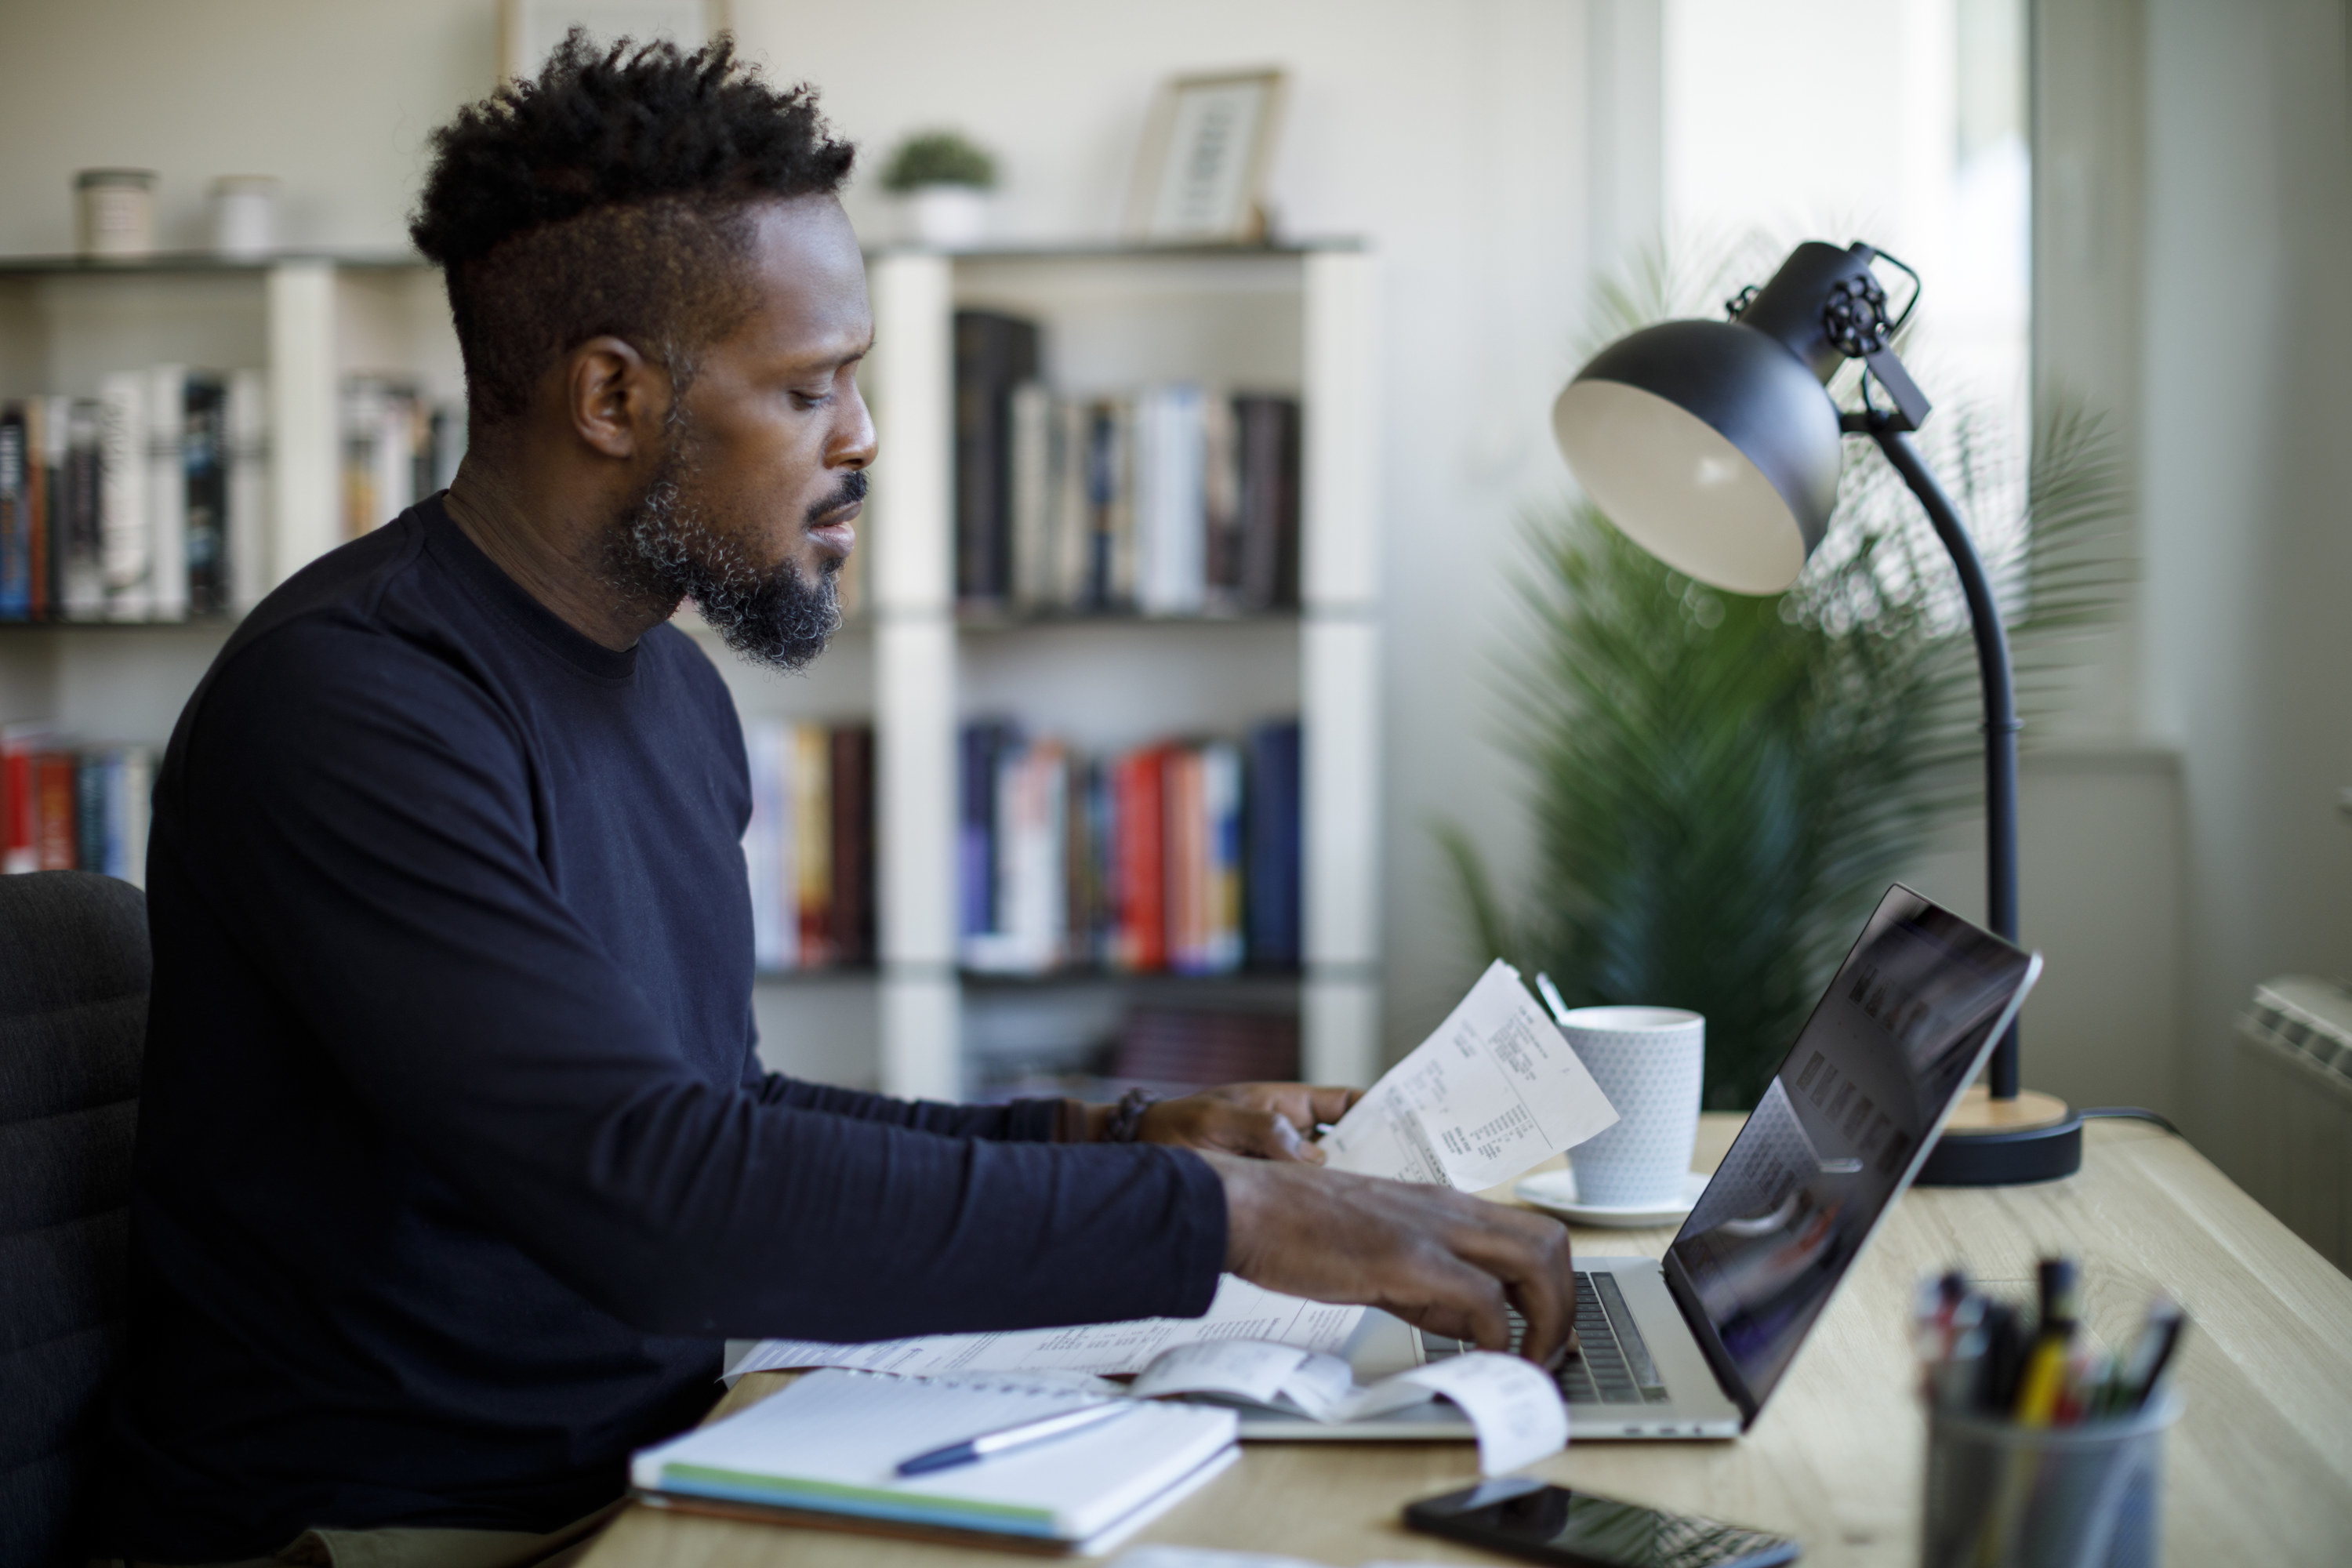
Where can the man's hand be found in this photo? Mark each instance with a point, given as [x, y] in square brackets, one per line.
[1264, 1121]
[1443, 1261]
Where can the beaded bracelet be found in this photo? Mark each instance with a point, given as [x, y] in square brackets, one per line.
[1127, 1120]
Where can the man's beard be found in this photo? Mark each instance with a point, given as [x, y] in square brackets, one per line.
[665, 545]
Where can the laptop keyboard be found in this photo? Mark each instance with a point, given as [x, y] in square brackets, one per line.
[1612, 1365]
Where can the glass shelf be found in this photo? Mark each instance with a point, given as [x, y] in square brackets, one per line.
[1095, 974]
[165, 262]
[990, 618]
[183, 262]
[835, 972]
[220, 623]
[1119, 250]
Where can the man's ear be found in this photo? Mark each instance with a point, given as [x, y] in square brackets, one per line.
[615, 399]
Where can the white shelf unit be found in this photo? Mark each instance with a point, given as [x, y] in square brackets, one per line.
[309, 321]
[1297, 321]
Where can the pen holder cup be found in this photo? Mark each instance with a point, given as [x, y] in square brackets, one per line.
[2005, 1495]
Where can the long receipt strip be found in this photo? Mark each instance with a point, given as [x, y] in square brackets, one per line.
[1240, 1311]
[1493, 1091]
[1514, 1404]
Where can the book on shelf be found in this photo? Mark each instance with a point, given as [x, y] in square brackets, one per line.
[1263, 556]
[808, 848]
[67, 806]
[15, 520]
[143, 504]
[1134, 827]
[851, 794]
[1272, 852]
[398, 448]
[203, 486]
[244, 527]
[994, 353]
[126, 548]
[1168, 500]
[1174, 858]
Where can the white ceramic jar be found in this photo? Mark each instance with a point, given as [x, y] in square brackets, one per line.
[245, 216]
[114, 213]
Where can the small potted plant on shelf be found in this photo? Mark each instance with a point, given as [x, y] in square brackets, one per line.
[942, 180]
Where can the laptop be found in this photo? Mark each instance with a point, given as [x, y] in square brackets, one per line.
[1692, 1345]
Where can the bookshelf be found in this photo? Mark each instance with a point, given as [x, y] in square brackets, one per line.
[307, 321]
[1295, 321]
[1289, 319]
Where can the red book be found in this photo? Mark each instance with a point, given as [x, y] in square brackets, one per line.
[1142, 889]
[53, 806]
[20, 845]
[1185, 854]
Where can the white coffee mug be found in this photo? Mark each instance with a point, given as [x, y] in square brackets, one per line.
[1650, 1062]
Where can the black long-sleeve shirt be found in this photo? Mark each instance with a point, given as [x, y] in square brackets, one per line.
[455, 1161]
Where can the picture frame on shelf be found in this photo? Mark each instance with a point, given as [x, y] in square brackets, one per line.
[1199, 175]
[528, 30]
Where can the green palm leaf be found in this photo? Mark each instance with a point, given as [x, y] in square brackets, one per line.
[1720, 787]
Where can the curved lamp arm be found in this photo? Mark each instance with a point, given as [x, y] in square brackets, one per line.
[2001, 721]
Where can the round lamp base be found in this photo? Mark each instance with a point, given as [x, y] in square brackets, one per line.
[1994, 1142]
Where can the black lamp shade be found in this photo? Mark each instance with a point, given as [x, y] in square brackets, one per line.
[1711, 445]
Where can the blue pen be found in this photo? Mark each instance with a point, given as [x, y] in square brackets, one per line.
[973, 1450]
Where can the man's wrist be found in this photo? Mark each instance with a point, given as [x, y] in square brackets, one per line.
[1124, 1124]
[1078, 1122]
[1244, 1184]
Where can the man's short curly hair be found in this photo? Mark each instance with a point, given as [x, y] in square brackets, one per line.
[608, 196]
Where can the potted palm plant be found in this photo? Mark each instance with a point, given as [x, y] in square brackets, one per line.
[1722, 786]
[942, 180]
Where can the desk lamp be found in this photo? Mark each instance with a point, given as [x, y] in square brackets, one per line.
[1716, 446]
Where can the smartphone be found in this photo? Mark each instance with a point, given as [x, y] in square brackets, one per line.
[1526, 1517]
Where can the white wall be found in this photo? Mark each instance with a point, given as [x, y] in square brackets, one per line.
[2248, 480]
[334, 97]
[1452, 136]
[2194, 212]
[2192, 208]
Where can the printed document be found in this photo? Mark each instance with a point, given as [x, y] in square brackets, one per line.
[1494, 1093]
[1241, 1311]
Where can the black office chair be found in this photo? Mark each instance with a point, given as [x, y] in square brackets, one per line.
[74, 969]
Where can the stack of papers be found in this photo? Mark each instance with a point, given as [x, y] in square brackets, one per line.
[829, 1447]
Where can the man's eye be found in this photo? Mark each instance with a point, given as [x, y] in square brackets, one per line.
[810, 399]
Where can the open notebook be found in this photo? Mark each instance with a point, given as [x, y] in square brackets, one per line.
[826, 1451]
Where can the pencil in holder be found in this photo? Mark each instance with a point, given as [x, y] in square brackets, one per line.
[2000, 1494]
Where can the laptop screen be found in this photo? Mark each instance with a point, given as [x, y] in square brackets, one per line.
[1837, 1134]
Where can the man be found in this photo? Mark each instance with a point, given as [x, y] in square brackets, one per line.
[455, 1159]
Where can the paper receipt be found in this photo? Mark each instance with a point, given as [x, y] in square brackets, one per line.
[1514, 1404]
[1493, 1091]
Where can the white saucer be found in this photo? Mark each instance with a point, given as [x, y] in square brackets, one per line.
[1554, 1192]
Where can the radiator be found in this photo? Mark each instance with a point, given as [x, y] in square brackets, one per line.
[2296, 1101]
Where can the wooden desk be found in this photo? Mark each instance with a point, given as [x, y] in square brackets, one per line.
[2259, 1471]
